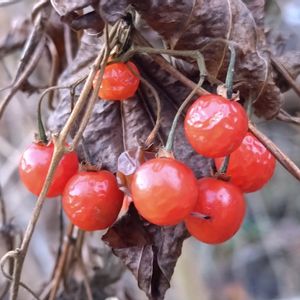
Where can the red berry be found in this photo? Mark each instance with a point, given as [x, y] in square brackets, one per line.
[34, 165]
[224, 206]
[215, 126]
[92, 200]
[251, 165]
[119, 82]
[164, 191]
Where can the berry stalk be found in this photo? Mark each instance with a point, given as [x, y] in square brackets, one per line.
[229, 88]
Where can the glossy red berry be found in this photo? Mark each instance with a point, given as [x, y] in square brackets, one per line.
[34, 165]
[215, 126]
[164, 191]
[251, 165]
[224, 206]
[119, 82]
[92, 200]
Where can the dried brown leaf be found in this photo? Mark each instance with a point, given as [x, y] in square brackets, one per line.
[149, 251]
[205, 23]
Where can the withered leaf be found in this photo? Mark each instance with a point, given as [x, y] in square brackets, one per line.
[149, 251]
[204, 24]
[127, 232]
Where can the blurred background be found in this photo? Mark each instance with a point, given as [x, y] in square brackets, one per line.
[261, 262]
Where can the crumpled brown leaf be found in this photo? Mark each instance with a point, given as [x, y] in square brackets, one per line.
[205, 25]
[149, 251]
[201, 24]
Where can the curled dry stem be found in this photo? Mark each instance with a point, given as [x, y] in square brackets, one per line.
[155, 129]
[12, 255]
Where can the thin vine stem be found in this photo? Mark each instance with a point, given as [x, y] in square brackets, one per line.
[155, 129]
[230, 72]
[281, 157]
[41, 128]
[10, 255]
[170, 140]
[94, 96]
[225, 164]
[60, 267]
[229, 92]
[184, 53]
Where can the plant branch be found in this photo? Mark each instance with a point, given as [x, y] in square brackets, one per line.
[59, 270]
[225, 164]
[4, 259]
[24, 75]
[82, 268]
[230, 72]
[286, 117]
[59, 150]
[229, 91]
[165, 65]
[155, 129]
[55, 61]
[170, 141]
[286, 75]
[94, 97]
[282, 158]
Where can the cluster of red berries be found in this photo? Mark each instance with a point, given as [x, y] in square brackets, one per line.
[164, 190]
[91, 199]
